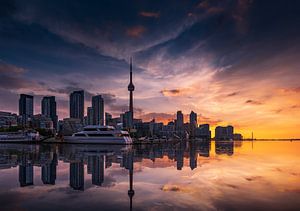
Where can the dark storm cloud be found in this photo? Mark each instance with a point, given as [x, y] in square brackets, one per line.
[10, 82]
[7, 8]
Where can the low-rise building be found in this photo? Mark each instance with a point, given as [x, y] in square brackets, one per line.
[203, 131]
[224, 133]
[68, 126]
[8, 119]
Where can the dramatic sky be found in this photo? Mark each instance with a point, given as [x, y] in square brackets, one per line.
[231, 61]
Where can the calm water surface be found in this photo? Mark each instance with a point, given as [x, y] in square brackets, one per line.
[261, 175]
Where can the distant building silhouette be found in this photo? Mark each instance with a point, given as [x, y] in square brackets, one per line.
[77, 105]
[193, 118]
[49, 109]
[179, 124]
[25, 108]
[98, 109]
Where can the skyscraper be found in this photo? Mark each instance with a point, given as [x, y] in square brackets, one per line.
[49, 109]
[77, 105]
[193, 124]
[90, 115]
[179, 122]
[98, 109]
[130, 89]
[108, 118]
[193, 118]
[25, 107]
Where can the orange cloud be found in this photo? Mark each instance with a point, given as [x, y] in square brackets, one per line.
[170, 92]
[253, 102]
[149, 14]
[294, 89]
[6, 68]
[210, 9]
[135, 31]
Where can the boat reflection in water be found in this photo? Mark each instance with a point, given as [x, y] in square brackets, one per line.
[118, 177]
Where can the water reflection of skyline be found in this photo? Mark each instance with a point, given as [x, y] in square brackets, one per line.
[105, 178]
[98, 158]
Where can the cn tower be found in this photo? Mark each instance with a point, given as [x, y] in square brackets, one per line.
[131, 89]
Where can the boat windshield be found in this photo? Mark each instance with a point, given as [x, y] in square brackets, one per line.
[90, 129]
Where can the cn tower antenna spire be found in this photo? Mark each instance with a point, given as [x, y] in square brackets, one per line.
[130, 89]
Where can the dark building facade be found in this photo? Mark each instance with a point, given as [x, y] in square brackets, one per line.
[224, 133]
[49, 109]
[77, 105]
[25, 108]
[98, 109]
[90, 116]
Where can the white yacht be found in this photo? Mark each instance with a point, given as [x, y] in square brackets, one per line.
[95, 134]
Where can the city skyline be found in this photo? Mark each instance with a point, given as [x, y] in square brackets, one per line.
[232, 63]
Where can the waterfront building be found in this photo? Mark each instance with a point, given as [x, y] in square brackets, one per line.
[237, 137]
[155, 128]
[25, 108]
[69, 126]
[224, 133]
[48, 108]
[203, 131]
[8, 119]
[127, 120]
[98, 110]
[77, 105]
[168, 130]
[108, 118]
[40, 121]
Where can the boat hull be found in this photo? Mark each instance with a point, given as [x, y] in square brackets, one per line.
[97, 140]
